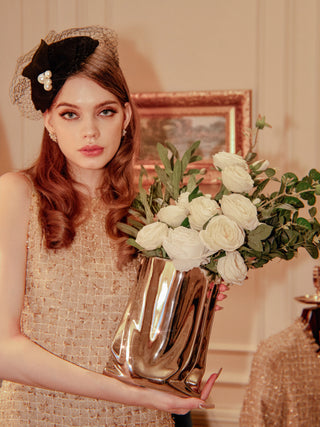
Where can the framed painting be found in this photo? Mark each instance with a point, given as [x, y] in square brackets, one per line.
[217, 118]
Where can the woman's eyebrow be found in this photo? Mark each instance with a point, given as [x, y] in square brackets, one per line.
[101, 104]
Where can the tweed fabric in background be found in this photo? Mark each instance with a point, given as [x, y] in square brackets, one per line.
[284, 388]
[74, 300]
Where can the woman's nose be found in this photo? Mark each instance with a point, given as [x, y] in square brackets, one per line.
[90, 129]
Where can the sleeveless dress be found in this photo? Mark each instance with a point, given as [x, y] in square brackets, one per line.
[74, 300]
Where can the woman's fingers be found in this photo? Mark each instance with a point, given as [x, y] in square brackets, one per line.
[223, 287]
[221, 297]
[208, 386]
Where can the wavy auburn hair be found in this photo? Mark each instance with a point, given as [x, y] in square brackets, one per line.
[61, 206]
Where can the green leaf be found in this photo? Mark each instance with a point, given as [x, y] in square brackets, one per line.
[290, 255]
[250, 156]
[270, 172]
[313, 251]
[313, 212]
[164, 178]
[192, 172]
[173, 149]
[144, 199]
[176, 179]
[195, 159]
[255, 243]
[222, 191]
[311, 201]
[304, 223]
[133, 243]
[262, 232]
[127, 229]
[294, 201]
[285, 206]
[138, 215]
[192, 184]
[307, 195]
[194, 194]
[185, 223]
[301, 186]
[266, 213]
[136, 224]
[163, 154]
[260, 186]
[315, 175]
[188, 154]
[212, 266]
[291, 176]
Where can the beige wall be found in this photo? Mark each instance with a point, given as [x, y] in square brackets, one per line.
[269, 46]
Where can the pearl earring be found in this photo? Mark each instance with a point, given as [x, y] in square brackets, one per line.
[124, 132]
[53, 136]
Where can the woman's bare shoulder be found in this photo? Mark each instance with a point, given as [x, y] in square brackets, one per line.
[16, 186]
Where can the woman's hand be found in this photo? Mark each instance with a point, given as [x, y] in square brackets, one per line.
[179, 405]
[221, 296]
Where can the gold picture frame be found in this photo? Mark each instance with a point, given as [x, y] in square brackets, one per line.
[217, 118]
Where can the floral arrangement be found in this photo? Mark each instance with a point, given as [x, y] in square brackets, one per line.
[239, 228]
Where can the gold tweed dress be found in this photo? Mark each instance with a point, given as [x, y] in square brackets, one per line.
[74, 300]
[284, 387]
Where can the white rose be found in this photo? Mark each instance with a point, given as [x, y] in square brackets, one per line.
[184, 247]
[222, 233]
[201, 209]
[241, 210]
[237, 179]
[183, 200]
[232, 268]
[151, 236]
[172, 215]
[260, 165]
[223, 159]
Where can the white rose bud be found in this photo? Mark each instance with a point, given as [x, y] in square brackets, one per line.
[222, 233]
[184, 247]
[201, 210]
[232, 268]
[237, 179]
[241, 210]
[151, 236]
[223, 159]
[260, 165]
[183, 200]
[172, 215]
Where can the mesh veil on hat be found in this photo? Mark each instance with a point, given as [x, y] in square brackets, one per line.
[21, 86]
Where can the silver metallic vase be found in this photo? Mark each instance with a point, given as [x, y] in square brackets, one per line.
[163, 337]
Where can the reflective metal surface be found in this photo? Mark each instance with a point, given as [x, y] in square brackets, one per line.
[162, 339]
[313, 299]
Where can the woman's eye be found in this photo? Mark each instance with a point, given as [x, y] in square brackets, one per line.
[69, 115]
[107, 112]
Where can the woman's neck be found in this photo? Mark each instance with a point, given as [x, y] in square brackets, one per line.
[88, 181]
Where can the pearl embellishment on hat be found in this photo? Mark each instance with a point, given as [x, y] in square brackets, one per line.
[45, 80]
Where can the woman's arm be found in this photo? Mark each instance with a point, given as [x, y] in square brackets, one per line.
[23, 361]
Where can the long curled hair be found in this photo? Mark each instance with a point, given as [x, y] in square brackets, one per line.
[61, 205]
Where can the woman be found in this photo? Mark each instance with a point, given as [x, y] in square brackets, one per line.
[61, 290]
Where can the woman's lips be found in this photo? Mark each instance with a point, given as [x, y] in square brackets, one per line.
[91, 150]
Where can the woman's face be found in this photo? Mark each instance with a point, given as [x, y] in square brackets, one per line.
[88, 121]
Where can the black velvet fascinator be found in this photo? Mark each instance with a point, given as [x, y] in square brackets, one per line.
[52, 64]
[42, 71]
